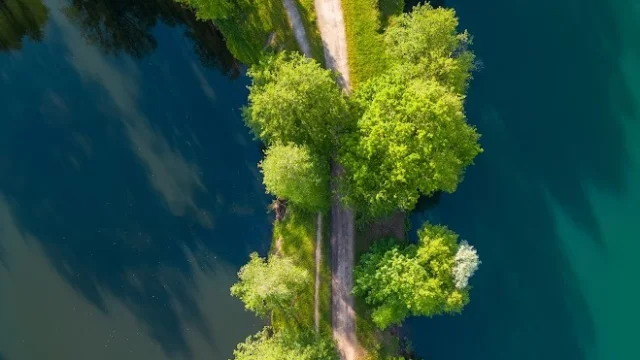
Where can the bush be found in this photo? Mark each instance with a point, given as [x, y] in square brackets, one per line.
[292, 173]
[292, 99]
[416, 279]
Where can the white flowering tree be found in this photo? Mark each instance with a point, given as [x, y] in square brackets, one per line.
[466, 264]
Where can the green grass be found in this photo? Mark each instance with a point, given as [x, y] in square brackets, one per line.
[308, 13]
[364, 21]
[298, 233]
[248, 29]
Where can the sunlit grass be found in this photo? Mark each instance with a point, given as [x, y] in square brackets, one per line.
[364, 22]
[298, 234]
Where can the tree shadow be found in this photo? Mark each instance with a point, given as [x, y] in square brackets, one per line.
[76, 179]
[126, 27]
[550, 104]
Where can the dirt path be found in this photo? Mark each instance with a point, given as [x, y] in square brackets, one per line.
[334, 39]
[331, 23]
[342, 257]
[295, 20]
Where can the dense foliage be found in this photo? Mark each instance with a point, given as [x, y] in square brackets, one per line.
[426, 43]
[291, 172]
[416, 279]
[270, 345]
[292, 99]
[412, 139]
[266, 285]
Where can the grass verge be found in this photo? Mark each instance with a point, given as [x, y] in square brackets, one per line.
[364, 21]
[249, 27]
[298, 234]
[308, 13]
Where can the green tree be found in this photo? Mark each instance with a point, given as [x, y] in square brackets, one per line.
[416, 279]
[412, 139]
[265, 285]
[291, 172]
[292, 99]
[20, 19]
[270, 345]
[426, 43]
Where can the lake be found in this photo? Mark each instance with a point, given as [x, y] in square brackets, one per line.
[130, 196]
[552, 203]
[129, 191]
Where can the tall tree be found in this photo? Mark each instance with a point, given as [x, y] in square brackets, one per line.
[292, 99]
[20, 19]
[427, 44]
[416, 279]
[265, 285]
[293, 173]
[412, 139]
[270, 345]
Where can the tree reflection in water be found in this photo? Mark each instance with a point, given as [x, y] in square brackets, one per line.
[117, 27]
[20, 19]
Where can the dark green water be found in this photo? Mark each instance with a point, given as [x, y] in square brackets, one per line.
[129, 194]
[553, 203]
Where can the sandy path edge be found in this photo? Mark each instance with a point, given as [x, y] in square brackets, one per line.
[334, 38]
[295, 20]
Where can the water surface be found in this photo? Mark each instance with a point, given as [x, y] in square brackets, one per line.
[553, 202]
[129, 192]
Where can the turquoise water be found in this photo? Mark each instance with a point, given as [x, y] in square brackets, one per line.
[553, 203]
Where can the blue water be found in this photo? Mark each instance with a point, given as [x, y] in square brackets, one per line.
[129, 191]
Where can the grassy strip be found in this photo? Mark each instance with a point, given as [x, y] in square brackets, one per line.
[298, 234]
[364, 20]
[308, 13]
[248, 26]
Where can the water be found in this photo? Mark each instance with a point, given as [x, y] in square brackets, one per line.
[129, 192]
[552, 205]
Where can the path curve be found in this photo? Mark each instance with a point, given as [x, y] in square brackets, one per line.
[295, 20]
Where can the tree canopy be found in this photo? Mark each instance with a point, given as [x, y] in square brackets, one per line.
[416, 279]
[270, 345]
[268, 284]
[291, 172]
[412, 139]
[292, 99]
[427, 44]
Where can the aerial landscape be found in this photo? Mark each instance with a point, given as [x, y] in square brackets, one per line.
[319, 179]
